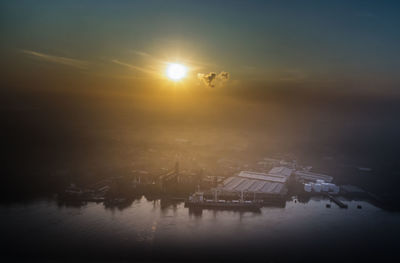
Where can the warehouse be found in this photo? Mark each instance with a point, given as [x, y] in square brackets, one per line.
[257, 185]
[306, 176]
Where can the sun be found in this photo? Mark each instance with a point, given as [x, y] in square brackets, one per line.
[176, 71]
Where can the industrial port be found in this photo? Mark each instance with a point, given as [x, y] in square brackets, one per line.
[271, 185]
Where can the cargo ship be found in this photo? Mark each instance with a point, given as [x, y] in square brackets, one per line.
[197, 201]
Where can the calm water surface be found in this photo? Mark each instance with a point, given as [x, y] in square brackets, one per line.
[156, 230]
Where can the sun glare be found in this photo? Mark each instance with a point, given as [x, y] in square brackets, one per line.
[176, 71]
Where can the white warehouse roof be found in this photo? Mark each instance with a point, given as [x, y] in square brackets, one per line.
[309, 176]
[272, 182]
[280, 171]
[277, 174]
[238, 184]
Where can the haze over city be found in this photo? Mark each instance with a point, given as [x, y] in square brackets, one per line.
[175, 119]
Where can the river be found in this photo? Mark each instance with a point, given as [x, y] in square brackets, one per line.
[159, 230]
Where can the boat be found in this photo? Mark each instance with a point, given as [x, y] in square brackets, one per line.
[197, 201]
[224, 206]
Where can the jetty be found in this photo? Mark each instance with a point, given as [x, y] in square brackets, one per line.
[336, 201]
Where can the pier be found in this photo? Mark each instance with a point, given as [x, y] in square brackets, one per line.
[336, 201]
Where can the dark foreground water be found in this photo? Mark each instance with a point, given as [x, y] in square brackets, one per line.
[160, 231]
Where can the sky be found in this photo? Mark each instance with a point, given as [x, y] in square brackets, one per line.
[326, 45]
[84, 82]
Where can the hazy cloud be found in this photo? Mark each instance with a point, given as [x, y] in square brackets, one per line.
[141, 53]
[141, 69]
[210, 78]
[57, 59]
[293, 75]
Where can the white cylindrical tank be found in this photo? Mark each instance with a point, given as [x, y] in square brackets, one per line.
[307, 187]
[335, 189]
[317, 187]
[325, 187]
[319, 181]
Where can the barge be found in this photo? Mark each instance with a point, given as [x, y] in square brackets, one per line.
[197, 201]
[223, 205]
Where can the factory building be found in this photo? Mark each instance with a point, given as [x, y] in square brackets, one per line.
[306, 176]
[256, 185]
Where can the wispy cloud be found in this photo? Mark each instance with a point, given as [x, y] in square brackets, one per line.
[141, 69]
[81, 64]
[194, 64]
[141, 53]
[155, 64]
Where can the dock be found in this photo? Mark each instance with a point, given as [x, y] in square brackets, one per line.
[336, 201]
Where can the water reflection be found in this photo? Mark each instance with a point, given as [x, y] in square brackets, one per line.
[196, 212]
[165, 227]
[163, 204]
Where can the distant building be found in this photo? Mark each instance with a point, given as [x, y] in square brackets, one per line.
[281, 171]
[306, 176]
[260, 185]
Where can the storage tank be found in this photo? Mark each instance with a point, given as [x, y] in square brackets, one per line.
[307, 187]
[325, 187]
[335, 189]
[317, 187]
[319, 181]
